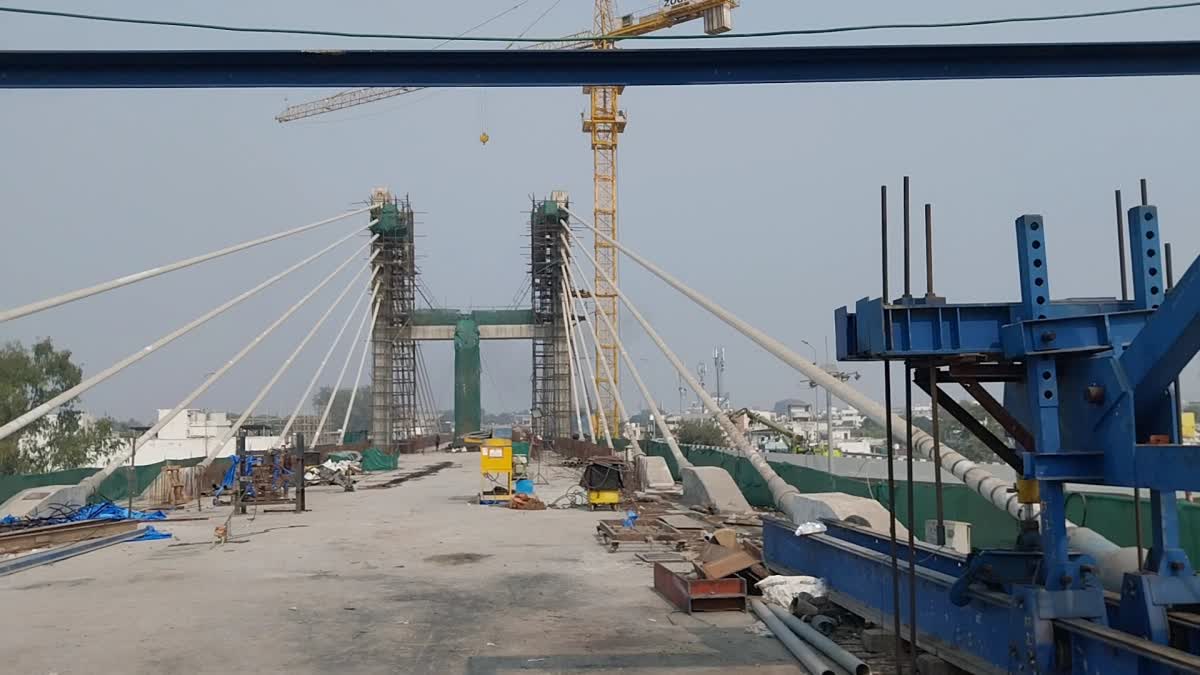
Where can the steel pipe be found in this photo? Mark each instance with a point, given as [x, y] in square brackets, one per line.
[823, 644]
[804, 652]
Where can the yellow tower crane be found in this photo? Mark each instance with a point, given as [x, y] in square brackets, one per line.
[603, 122]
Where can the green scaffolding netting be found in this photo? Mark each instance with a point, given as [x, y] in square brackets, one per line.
[1109, 514]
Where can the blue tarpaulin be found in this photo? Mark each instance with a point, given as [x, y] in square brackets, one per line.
[150, 533]
[101, 511]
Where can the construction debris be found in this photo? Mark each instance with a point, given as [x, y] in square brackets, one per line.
[718, 562]
[781, 590]
[334, 472]
[691, 594]
[526, 502]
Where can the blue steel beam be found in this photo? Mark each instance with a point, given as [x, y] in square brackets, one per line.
[1169, 340]
[532, 68]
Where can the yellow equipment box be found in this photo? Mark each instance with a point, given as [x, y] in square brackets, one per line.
[609, 498]
[495, 470]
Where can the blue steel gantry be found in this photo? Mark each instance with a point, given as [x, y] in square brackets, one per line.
[1088, 398]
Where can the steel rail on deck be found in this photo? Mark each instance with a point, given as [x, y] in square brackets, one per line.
[640, 67]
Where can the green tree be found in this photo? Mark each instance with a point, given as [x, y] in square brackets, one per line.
[29, 378]
[360, 417]
[700, 432]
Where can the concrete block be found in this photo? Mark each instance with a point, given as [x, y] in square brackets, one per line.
[713, 487]
[848, 508]
[653, 473]
[26, 501]
[878, 640]
[928, 664]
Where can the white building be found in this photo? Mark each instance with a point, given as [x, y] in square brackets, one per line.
[194, 434]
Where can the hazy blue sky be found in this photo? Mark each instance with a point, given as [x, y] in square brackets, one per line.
[765, 197]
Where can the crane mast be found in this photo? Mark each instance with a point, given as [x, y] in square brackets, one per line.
[604, 123]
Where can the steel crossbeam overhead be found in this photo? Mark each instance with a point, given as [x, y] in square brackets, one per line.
[557, 68]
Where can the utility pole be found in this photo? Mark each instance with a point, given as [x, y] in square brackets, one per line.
[719, 367]
[132, 483]
[682, 395]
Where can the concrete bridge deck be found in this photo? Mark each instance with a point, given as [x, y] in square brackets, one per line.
[409, 579]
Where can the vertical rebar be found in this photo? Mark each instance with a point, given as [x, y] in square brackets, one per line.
[912, 548]
[1121, 245]
[1137, 492]
[1145, 193]
[1170, 267]
[907, 247]
[939, 506]
[891, 453]
[1178, 394]
[928, 251]
[935, 431]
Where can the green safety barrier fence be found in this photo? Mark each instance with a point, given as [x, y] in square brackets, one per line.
[115, 487]
[1109, 514]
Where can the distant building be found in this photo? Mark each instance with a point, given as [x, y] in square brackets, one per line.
[193, 434]
[799, 411]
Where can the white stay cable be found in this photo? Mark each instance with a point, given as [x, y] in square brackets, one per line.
[571, 354]
[633, 444]
[288, 362]
[262, 393]
[783, 494]
[346, 364]
[362, 360]
[972, 475]
[93, 482]
[79, 294]
[38, 411]
[659, 421]
[595, 387]
[315, 440]
[576, 348]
